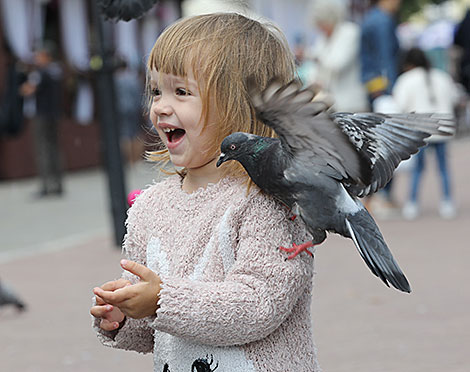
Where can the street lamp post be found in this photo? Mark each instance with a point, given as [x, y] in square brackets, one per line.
[103, 65]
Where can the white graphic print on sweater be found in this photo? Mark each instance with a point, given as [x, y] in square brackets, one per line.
[174, 354]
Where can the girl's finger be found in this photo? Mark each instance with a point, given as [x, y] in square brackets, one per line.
[135, 268]
[115, 297]
[100, 311]
[108, 326]
[99, 300]
[115, 284]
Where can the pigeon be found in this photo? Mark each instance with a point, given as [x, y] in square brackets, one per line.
[8, 297]
[323, 162]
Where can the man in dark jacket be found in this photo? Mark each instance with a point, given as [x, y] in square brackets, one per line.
[44, 84]
[379, 48]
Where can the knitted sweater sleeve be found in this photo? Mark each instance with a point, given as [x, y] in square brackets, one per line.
[258, 292]
[136, 334]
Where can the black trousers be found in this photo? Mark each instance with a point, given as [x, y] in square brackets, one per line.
[48, 159]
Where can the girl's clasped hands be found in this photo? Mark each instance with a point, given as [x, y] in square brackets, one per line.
[120, 298]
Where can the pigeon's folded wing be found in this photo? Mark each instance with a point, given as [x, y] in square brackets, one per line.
[387, 139]
[307, 132]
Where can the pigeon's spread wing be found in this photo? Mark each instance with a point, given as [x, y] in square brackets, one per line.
[387, 139]
[307, 132]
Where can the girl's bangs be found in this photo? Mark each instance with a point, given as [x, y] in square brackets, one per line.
[175, 53]
[166, 62]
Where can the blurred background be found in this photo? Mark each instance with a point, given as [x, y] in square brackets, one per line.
[74, 131]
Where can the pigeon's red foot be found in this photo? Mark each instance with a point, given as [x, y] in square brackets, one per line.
[296, 249]
[293, 217]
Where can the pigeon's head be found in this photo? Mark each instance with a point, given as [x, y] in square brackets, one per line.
[237, 146]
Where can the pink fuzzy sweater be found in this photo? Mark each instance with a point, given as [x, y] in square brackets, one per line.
[230, 300]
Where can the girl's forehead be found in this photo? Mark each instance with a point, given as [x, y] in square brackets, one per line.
[157, 77]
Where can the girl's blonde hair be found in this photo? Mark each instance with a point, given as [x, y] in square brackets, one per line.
[223, 50]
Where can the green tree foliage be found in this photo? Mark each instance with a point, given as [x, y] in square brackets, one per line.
[409, 7]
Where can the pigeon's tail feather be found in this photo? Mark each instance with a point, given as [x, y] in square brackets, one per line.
[373, 249]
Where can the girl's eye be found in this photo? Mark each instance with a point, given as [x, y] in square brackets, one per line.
[155, 92]
[182, 92]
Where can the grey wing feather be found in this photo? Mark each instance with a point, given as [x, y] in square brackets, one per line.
[388, 139]
[362, 150]
[307, 132]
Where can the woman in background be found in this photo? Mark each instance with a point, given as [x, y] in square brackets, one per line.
[336, 56]
[422, 88]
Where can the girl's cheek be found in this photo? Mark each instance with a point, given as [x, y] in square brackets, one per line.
[153, 117]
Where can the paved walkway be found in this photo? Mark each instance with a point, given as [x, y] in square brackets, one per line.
[36, 225]
[54, 251]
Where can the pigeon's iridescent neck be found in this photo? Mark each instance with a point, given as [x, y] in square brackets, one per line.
[260, 146]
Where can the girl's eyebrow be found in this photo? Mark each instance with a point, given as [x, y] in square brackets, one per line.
[153, 82]
[176, 80]
[188, 84]
[186, 81]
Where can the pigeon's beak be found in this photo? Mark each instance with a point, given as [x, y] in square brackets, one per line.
[221, 160]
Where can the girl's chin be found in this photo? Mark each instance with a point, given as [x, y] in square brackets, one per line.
[177, 162]
[180, 160]
[191, 164]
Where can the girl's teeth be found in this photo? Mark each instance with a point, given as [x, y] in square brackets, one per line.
[168, 130]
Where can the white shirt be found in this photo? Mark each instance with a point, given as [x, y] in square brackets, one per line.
[413, 91]
[419, 91]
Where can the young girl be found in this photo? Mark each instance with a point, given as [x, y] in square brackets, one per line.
[211, 290]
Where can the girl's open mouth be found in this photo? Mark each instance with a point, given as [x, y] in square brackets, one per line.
[174, 135]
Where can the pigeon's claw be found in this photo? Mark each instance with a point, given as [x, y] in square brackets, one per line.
[296, 249]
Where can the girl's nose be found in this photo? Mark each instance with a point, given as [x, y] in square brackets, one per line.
[162, 107]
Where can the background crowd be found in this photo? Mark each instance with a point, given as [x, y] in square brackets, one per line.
[379, 64]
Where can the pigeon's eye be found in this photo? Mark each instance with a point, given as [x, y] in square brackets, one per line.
[233, 147]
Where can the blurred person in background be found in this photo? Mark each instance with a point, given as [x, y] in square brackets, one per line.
[379, 49]
[462, 39]
[336, 56]
[11, 101]
[44, 86]
[379, 54]
[422, 88]
[129, 89]
[304, 65]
